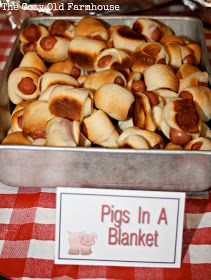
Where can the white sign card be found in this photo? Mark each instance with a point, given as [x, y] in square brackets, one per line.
[119, 227]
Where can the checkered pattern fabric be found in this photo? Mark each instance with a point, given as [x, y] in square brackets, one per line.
[27, 228]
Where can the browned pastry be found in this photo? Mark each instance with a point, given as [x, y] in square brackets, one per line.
[172, 39]
[35, 117]
[62, 28]
[32, 33]
[62, 132]
[31, 59]
[16, 121]
[21, 105]
[200, 143]
[148, 110]
[16, 138]
[126, 39]
[92, 27]
[28, 47]
[22, 84]
[71, 103]
[133, 141]
[84, 50]
[196, 52]
[152, 139]
[66, 67]
[115, 100]
[172, 146]
[186, 70]
[136, 82]
[180, 121]
[53, 48]
[175, 56]
[148, 54]
[159, 76]
[201, 96]
[48, 79]
[149, 28]
[194, 79]
[180, 54]
[99, 129]
[95, 80]
[113, 59]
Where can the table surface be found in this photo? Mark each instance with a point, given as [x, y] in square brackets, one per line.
[27, 227]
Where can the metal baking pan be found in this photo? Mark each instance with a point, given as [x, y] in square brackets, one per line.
[103, 167]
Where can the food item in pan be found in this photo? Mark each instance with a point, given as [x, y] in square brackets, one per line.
[32, 33]
[200, 143]
[115, 100]
[100, 130]
[23, 84]
[62, 132]
[53, 48]
[63, 28]
[84, 50]
[88, 83]
[31, 59]
[93, 28]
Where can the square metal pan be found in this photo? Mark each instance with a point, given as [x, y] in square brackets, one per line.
[32, 166]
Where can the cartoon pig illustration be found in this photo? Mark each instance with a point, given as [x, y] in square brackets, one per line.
[75, 244]
[87, 240]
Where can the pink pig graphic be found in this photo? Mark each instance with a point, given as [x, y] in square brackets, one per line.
[81, 243]
[87, 240]
[74, 241]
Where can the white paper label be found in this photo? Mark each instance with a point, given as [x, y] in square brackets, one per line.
[119, 227]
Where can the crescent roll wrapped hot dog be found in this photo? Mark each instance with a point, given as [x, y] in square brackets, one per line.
[62, 28]
[31, 59]
[93, 28]
[200, 143]
[159, 76]
[136, 82]
[99, 129]
[148, 54]
[28, 47]
[53, 48]
[32, 33]
[180, 121]
[71, 103]
[16, 138]
[62, 132]
[97, 79]
[113, 59]
[125, 38]
[84, 50]
[196, 52]
[133, 141]
[66, 67]
[148, 28]
[186, 70]
[195, 79]
[202, 98]
[22, 84]
[148, 110]
[35, 118]
[115, 100]
[152, 139]
[48, 79]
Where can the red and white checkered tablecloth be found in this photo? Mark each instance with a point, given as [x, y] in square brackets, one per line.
[27, 228]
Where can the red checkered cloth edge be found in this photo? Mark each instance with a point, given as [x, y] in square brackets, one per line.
[27, 228]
